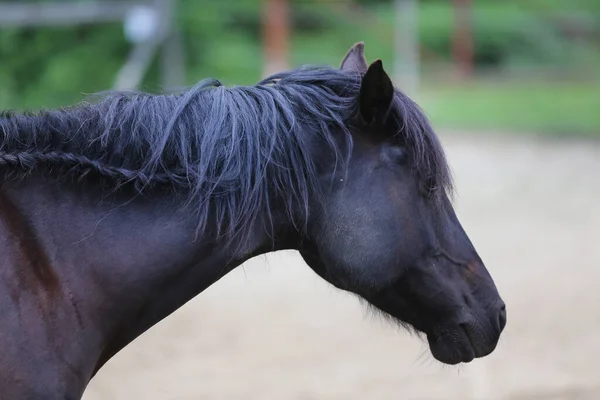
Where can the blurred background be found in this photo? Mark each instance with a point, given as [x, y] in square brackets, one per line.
[513, 89]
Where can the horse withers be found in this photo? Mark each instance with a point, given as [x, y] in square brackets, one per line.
[116, 212]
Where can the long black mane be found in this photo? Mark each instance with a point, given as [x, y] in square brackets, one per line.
[232, 149]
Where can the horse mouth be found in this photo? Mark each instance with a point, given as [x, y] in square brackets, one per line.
[454, 337]
[458, 345]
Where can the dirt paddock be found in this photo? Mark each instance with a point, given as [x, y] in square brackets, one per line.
[273, 330]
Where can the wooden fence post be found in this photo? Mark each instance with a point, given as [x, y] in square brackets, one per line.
[276, 32]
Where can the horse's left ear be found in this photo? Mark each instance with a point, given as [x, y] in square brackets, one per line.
[376, 94]
[354, 60]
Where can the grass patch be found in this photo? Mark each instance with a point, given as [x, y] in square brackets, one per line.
[548, 108]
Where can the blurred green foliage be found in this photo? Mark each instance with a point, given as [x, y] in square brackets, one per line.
[50, 67]
[514, 33]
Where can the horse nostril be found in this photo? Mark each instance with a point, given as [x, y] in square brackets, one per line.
[502, 317]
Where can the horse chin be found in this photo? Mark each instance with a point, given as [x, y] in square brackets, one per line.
[457, 344]
[451, 348]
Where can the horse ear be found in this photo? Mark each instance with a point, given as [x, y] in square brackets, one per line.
[355, 59]
[376, 94]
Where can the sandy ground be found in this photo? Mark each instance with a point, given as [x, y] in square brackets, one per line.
[274, 330]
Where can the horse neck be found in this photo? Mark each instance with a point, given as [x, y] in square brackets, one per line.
[106, 268]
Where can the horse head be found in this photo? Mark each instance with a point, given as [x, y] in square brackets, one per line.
[386, 229]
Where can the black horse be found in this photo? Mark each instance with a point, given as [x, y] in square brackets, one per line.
[115, 213]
